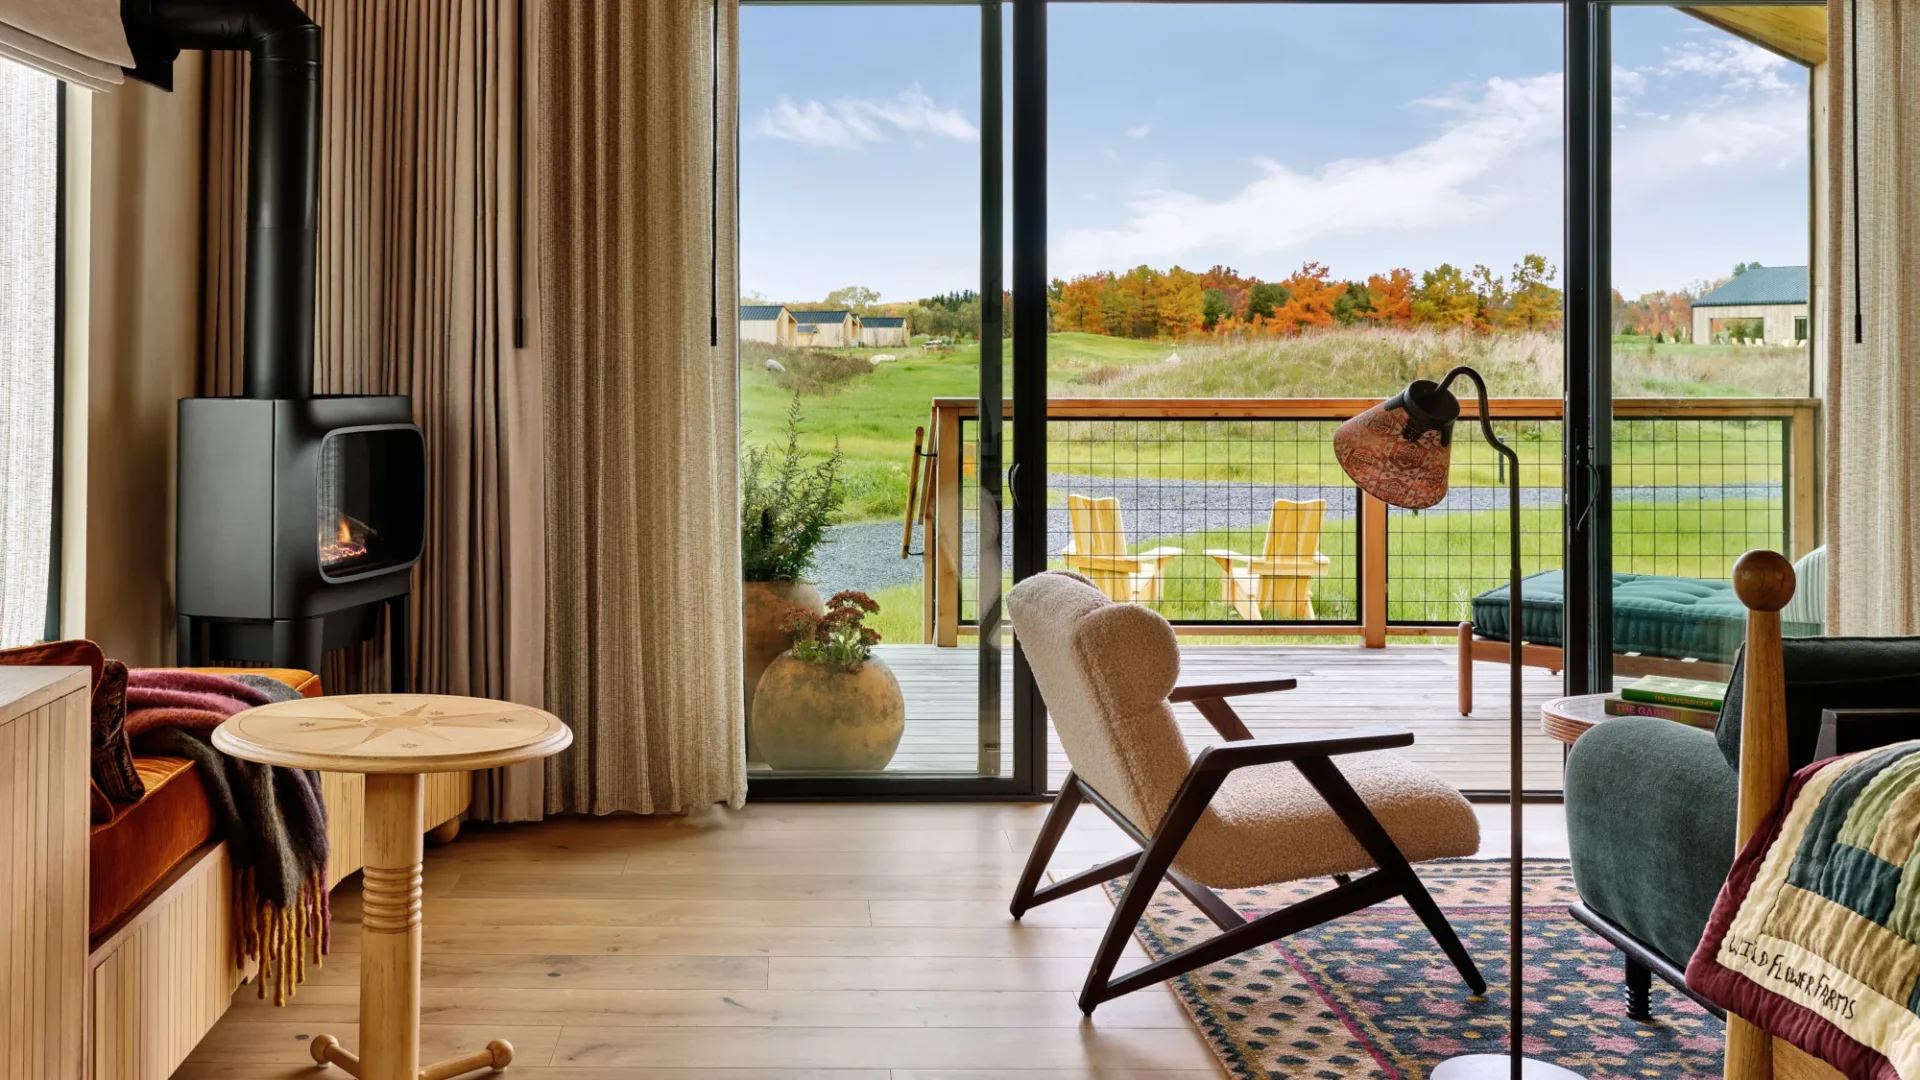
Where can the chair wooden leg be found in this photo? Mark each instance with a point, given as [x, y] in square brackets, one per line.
[1058, 818]
[1466, 669]
[1366, 828]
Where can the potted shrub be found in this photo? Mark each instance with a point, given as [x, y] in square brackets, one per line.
[827, 704]
[785, 505]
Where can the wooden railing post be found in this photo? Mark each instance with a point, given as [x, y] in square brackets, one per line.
[1803, 479]
[1373, 572]
[944, 540]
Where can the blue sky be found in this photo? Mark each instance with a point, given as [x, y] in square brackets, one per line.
[1364, 137]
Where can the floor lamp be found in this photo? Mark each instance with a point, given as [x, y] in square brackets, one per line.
[1399, 452]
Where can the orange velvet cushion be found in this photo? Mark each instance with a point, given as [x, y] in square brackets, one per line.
[131, 853]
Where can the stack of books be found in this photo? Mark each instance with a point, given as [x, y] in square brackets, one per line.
[1684, 700]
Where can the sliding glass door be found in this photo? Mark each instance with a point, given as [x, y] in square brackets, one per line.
[873, 343]
[1705, 229]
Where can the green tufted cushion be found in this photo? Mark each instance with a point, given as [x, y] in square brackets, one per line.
[1672, 617]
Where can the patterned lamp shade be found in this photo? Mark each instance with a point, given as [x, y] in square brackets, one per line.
[1398, 451]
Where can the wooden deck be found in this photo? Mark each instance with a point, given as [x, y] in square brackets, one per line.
[1341, 686]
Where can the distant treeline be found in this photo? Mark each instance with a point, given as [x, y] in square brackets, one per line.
[1178, 303]
[1181, 304]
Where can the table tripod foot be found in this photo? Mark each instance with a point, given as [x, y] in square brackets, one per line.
[497, 1055]
[327, 1050]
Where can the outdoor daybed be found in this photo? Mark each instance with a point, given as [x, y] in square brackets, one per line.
[1687, 627]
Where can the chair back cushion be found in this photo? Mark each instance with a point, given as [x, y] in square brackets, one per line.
[1828, 673]
[1105, 670]
[1097, 528]
[1294, 529]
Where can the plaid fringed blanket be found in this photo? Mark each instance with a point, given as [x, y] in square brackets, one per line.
[1816, 935]
[272, 819]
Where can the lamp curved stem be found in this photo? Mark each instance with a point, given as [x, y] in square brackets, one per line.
[1516, 778]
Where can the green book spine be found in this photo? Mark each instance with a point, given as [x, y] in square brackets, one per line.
[1655, 690]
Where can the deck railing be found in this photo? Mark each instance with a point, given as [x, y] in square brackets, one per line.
[1696, 481]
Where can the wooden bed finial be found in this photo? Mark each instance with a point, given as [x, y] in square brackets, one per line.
[1763, 580]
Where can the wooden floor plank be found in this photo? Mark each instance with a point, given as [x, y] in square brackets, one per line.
[648, 950]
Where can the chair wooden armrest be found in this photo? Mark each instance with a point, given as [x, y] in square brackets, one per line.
[1229, 756]
[1227, 557]
[1216, 691]
[1311, 565]
[1125, 564]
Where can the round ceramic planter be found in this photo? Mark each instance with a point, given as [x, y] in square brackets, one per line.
[819, 718]
[764, 605]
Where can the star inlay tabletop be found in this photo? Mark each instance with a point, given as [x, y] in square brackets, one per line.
[392, 733]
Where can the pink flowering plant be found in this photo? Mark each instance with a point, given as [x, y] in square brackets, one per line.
[838, 638]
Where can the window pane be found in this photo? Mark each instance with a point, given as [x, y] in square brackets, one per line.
[860, 163]
[29, 178]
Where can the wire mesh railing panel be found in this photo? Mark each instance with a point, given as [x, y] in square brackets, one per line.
[1205, 521]
[1440, 558]
[1248, 521]
[1691, 495]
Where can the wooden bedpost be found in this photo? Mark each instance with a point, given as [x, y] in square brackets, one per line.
[1764, 582]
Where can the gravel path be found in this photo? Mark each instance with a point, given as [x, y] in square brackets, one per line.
[867, 556]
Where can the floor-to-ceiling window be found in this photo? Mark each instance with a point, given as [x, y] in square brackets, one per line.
[29, 193]
[1241, 223]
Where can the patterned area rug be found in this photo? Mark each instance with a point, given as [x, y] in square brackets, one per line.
[1371, 995]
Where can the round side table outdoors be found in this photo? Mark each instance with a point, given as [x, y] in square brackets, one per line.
[1568, 718]
[395, 739]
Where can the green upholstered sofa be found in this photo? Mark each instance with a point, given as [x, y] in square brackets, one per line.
[1651, 804]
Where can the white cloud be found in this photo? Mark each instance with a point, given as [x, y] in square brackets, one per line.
[1140, 132]
[1739, 66]
[1463, 173]
[848, 123]
[1767, 132]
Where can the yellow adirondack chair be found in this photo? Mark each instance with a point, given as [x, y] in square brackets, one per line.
[1098, 551]
[1279, 579]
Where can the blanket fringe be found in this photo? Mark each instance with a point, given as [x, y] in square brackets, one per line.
[277, 937]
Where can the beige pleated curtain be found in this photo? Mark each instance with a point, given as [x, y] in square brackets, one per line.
[637, 298]
[416, 296]
[1873, 491]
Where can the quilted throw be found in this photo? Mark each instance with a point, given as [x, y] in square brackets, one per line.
[1816, 935]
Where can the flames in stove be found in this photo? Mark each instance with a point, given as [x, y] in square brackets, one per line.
[345, 542]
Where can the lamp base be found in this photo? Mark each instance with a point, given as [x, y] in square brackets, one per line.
[1498, 1067]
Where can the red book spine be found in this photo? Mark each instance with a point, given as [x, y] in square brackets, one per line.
[1700, 718]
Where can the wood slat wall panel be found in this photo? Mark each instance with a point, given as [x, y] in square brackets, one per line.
[44, 721]
[161, 981]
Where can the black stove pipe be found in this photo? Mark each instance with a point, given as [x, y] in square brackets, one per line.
[283, 165]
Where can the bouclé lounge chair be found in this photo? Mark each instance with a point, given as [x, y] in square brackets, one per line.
[1242, 813]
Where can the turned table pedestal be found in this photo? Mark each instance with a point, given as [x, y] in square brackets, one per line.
[395, 739]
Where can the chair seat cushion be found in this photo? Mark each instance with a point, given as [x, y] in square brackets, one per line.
[1671, 617]
[1268, 825]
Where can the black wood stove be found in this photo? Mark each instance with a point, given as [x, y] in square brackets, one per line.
[299, 515]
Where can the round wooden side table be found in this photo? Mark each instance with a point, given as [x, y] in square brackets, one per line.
[395, 739]
[1568, 718]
